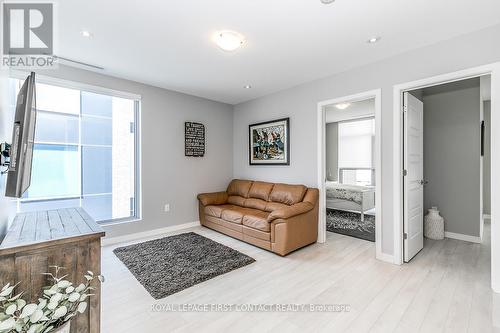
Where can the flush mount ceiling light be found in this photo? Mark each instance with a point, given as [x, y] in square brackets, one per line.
[373, 40]
[86, 34]
[342, 106]
[247, 86]
[326, 2]
[229, 40]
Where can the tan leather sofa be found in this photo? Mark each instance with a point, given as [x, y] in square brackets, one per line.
[277, 217]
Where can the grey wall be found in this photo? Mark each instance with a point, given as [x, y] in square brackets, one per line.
[487, 159]
[168, 176]
[332, 151]
[300, 104]
[452, 158]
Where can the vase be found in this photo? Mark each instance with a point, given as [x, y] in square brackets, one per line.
[434, 224]
[64, 328]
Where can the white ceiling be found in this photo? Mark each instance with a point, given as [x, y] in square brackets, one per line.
[168, 43]
[360, 109]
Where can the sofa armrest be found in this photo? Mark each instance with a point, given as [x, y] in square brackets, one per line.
[216, 198]
[294, 210]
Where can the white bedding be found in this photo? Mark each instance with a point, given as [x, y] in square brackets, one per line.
[335, 190]
[350, 197]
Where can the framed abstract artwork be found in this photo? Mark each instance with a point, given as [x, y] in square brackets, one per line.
[269, 142]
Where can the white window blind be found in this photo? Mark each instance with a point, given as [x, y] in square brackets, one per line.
[356, 143]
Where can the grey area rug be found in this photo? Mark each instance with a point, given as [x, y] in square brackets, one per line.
[347, 223]
[171, 264]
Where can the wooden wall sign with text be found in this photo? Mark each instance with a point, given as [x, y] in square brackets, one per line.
[194, 136]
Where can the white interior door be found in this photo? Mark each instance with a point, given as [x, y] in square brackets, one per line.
[413, 176]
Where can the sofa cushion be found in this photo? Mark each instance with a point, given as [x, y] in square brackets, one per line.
[239, 188]
[236, 200]
[225, 224]
[272, 206]
[216, 210]
[256, 203]
[255, 233]
[260, 190]
[287, 194]
[234, 214]
[257, 219]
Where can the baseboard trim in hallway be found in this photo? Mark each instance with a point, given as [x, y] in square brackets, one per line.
[462, 237]
[149, 233]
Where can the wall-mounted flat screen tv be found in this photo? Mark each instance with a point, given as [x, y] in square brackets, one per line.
[23, 136]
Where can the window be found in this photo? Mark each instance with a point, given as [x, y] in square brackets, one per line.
[85, 153]
[356, 146]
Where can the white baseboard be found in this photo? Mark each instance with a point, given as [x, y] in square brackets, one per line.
[385, 257]
[145, 234]
[462, 237]
[495, 290]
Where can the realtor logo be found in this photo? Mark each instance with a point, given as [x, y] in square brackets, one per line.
[28, 29]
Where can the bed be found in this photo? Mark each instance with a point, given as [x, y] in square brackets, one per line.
[351, 198]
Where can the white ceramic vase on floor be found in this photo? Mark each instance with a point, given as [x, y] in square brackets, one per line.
[434, 224]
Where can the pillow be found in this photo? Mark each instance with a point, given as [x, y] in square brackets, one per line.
[260, 190]
[239, 188]
[287, 194]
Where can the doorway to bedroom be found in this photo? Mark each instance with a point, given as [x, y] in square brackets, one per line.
[349, 168]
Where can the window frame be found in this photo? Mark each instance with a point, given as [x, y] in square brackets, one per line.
[372, 175]
[63, 83]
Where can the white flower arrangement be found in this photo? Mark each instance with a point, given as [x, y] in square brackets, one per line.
[61, 301]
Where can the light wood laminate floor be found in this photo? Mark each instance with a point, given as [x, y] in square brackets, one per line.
[445, 288]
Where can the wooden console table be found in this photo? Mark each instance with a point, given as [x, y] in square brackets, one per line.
[68, 238]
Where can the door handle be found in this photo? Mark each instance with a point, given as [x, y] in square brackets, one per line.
[423, 182]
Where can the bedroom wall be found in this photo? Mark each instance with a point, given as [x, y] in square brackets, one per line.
[300, 104]
[332, 151]
[167, 175]
[452, 158]
[356, 110]
[487, 159]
